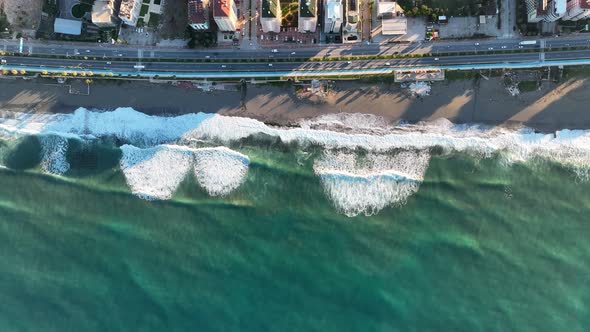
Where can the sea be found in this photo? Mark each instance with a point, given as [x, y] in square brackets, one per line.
[120, 221]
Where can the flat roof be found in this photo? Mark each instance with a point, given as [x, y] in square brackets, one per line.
[270, 8]
[198, 11]
[67, 27]
[222, 8]
[307, 8]
[102, 12]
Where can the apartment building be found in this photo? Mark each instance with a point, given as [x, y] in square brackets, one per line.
[129, 11]
[308, 19]
[198, 15]
[333, 16]
[577, 9]
[104, 14]
[225, 15]
[270, 15]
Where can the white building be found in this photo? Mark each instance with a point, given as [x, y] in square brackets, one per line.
[577, 9]
[67, 27]
[103, 14]
[333, 16]
[129, 11]
[270, 15]
[557, 9]
[351, 30]
[225, 15]
[308, 19]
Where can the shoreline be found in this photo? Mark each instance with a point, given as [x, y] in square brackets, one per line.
[553, 107]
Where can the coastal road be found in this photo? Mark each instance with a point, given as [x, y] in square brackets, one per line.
[104, 50]
[170, 67]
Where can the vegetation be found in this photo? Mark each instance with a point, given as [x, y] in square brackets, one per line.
[527, 86]
[144, 9]
[433, 8]
[201, 39]
[290, 12]
[79, 9]
[4, 25]
[154, 20]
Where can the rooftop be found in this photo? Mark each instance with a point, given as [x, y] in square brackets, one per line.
[222, 8]
[307, 8]
[126, 8]
[102, 11]
[585, 4]
[269, 8]
[198, 11]
[68, 27]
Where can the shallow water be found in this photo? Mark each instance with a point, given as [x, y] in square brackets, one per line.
[480, 245]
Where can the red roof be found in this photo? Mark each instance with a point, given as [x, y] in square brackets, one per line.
[222, 8]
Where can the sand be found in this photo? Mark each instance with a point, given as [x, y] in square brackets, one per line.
[553, 107]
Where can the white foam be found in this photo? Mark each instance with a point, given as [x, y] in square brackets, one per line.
[156, 173]
[568, 147]
[53, 154]
[220, 170]
[123, 123]
[367, 185]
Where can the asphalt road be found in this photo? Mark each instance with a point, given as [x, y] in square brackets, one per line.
[291, 66]
[107, 50]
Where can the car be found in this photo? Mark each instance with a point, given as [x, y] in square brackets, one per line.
[520, 46]
[388, 64]
[476, 44]
[108, 62]
[3, 61]
[490, 48]
[504, 46]
[223, 66]
[396, 52]
[270, 64]
[119, 54]
[349, 62]
[274, 50]
[435, 59]
[292, 53]
[207, 56]
[87, 51]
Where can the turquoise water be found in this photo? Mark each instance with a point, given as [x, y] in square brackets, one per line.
[480, 246]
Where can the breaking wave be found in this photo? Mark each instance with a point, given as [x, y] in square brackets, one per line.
[53, 154]
[365, 185]
[155, 173]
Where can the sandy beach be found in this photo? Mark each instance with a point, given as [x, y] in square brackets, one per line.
[554, 106]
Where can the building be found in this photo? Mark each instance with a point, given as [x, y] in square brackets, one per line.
[393, 21]
[198, 15]
[333, 16]
[556, 10]
[129, 11]
[67, 27]
[225, 15]
[545, 10]
[577, 9]
[351, 29]
[103, 14]
[308, 19]
[270, 15]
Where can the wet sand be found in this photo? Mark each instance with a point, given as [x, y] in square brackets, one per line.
[553, 107]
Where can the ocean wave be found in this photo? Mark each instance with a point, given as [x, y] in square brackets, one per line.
[365, 185]
[352, 131]
[53, 154]
[155, 173]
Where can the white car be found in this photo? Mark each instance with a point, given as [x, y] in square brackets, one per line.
[292, 53]
[503, 46]
[270, 64]
[388, 64]
[274, 51]
[435, 59]
[476, 44]
[108, 62]
[490, 48]
[223, 66]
